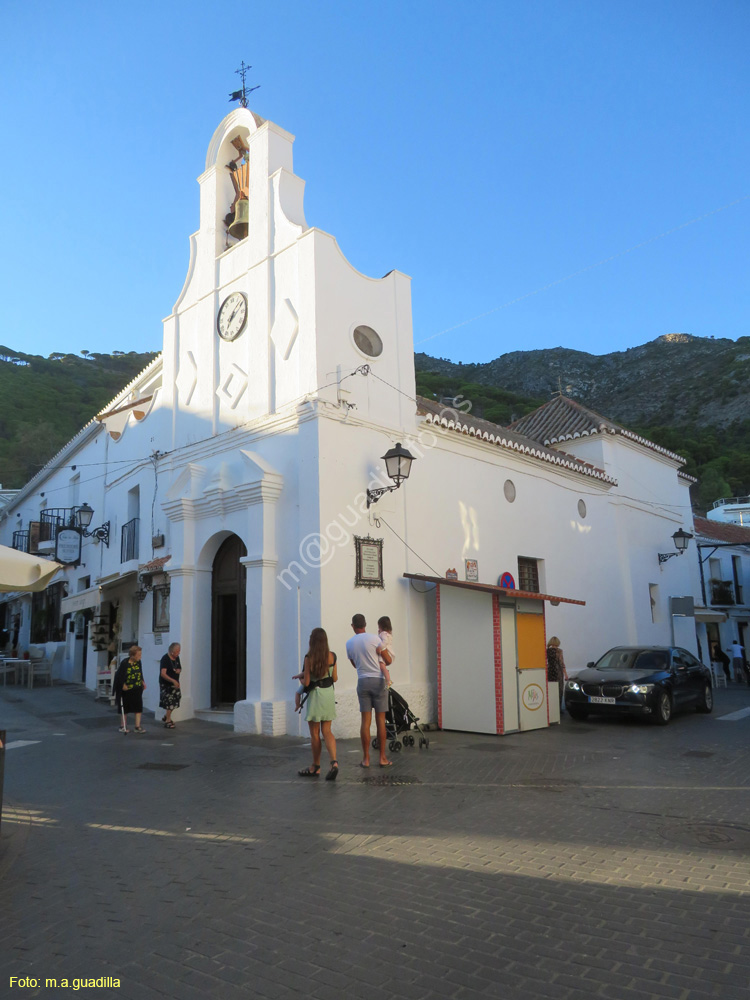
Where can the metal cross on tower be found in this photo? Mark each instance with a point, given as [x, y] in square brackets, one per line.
[241, 95]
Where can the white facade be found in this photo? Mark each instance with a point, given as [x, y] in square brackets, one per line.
[273, 437]
[732, 510]
[722, 585]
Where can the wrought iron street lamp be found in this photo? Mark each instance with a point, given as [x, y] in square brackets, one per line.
[398, 466]
[84, 515]
[681, 540]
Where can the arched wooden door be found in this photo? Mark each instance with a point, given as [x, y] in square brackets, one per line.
[228, 618]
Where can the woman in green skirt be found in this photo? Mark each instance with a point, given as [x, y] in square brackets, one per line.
[318, 677]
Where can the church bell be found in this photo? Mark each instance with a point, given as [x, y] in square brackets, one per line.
[239, 227]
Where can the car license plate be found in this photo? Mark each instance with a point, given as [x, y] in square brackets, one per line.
[601, 701]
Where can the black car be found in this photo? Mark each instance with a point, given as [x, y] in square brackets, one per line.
[651, 681]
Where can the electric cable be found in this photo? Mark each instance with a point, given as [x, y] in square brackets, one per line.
[382, 520]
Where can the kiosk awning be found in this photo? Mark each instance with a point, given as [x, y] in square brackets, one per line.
[490, 588]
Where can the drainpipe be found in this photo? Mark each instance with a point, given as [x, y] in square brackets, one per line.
[703, 578]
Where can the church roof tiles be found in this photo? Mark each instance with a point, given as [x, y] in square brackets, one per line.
[564, 419]
[504, 437]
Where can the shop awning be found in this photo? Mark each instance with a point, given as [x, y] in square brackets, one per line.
[489, 588]
[709, 615]
[90, 598]
[115, 579]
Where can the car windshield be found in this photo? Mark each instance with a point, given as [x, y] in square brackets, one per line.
[634, 659]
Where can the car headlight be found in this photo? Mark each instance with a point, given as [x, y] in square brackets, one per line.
[641, 688]
[573, 686]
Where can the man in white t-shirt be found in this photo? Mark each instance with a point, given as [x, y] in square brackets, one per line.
[371, 660]
[738, 661]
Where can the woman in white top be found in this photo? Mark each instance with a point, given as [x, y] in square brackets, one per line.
[385, 634]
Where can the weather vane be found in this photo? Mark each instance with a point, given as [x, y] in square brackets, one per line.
[241, 95]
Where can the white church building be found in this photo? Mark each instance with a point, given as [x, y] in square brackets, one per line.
[229, 482]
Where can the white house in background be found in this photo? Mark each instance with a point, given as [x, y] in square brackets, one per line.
[228, 480]
[731, 510]
[6, 496]
[723, 585]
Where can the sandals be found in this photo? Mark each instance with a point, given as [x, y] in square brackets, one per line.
[310, 772]
[124, 730]
[139, 729]
[169, 725]
[334, 771]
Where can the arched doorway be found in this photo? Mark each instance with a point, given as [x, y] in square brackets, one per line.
[228, 617]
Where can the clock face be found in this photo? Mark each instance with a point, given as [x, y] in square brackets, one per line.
[232, 316]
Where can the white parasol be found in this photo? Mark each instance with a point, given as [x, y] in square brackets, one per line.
[22, 572]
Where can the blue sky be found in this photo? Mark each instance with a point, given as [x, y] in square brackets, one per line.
[486, 149]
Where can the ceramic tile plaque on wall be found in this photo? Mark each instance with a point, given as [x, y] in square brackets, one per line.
[369, 555]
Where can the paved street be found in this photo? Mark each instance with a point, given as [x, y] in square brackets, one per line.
[599, 859]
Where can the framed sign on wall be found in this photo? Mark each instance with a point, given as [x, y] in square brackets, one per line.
[68, 546]
[369, 557]
[161, 609]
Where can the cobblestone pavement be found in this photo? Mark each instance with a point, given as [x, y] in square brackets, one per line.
[599, 859]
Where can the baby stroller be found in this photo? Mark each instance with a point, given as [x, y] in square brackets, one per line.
[400, 719]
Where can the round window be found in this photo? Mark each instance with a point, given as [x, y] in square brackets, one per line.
[581, 508]
[509, 490]
[368, 341]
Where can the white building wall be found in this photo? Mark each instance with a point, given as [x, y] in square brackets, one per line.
[649, 503]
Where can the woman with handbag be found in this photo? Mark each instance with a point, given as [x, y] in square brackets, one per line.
[318, 677]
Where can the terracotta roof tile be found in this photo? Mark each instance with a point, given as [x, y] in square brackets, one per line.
[720, 531]
[564, 419]
[155, 565]
[504, 437]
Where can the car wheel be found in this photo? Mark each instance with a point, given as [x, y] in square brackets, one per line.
[579, 714]
[706, 700]
[663, 712]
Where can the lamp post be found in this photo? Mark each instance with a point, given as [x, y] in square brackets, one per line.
[84, 514]
[398, 466]
[681, 540]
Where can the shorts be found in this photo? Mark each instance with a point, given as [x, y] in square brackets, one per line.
[373, 694]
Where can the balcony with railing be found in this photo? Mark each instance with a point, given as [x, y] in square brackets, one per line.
[722, 592]
[21, 540]
[726, 501]
[52, 519]
[129, 540]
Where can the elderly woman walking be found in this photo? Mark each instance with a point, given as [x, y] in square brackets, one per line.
[170, 693]
[129, 681]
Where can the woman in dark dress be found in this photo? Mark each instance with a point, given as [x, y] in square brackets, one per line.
[129, 681]
[170, 694]
[556, 670]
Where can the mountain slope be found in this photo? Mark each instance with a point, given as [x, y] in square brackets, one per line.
[44, 402]
[676, 379]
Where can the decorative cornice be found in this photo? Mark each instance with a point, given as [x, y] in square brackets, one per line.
[200, 492]
[219, 501]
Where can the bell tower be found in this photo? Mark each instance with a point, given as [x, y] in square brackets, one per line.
[271, 311]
